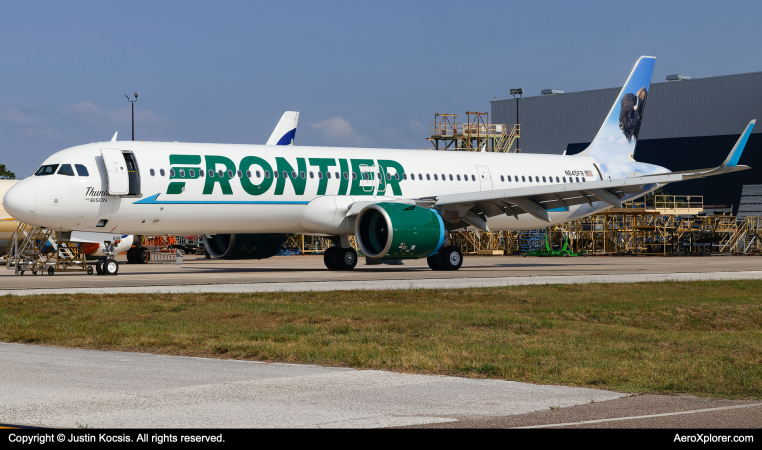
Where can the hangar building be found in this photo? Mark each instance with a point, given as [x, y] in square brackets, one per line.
[688, 124]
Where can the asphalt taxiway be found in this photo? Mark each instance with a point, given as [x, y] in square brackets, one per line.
[56, 387]
[303, 273]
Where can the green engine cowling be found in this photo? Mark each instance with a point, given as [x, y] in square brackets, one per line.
[399, 231]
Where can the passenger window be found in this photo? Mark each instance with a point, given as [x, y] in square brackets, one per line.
[240, 174]
[230, 174]
[577, 179]
[161, 172]
[328, 174]
[337, 175]
[428, 177]
[153, 172]
[543, 180]
[192, 173]
[450, 177]
[257, 174]
[436, 178]
[537, 179]
[302, 175]
[200, 173]
[320, 175]
[557, 180]
[171, 172]
[523, 178]
[473, 178]
[354, 175]
[312, 174]
[583, 179]
[404, 176]
[248, 174]
[397, 176]
[293, 175]
[509, 178]
[267, 174]
[502, 178]
[530, 179]
[458, 177]
[443, 177]
[211, 173]
[420, 176]
[81, 170]
[346, 176]
[66, 170]
[182, 173]
[275, 174]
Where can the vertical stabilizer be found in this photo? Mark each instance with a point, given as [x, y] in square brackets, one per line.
[618, 135]
[285, 130]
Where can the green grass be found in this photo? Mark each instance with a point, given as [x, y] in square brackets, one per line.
[701, 338]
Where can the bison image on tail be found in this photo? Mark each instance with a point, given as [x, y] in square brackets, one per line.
[631, 113]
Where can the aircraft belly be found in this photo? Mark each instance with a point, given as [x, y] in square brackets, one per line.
[213, 219]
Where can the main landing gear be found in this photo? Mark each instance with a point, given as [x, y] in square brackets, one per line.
[449, 258]
[341, 256]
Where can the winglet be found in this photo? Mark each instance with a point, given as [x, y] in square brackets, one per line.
[735, 154]
[113, 139]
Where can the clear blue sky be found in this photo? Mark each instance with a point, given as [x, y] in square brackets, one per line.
[360, 73]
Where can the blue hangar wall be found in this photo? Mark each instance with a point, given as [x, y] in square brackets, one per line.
[687, 124]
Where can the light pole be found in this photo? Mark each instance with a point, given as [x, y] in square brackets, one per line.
[132, 103]
[514, 93]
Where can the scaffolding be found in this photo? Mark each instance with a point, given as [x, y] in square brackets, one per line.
[36, 249]
[476, 134]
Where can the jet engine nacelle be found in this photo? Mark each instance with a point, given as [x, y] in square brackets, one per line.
[399, 231]
[243, 246]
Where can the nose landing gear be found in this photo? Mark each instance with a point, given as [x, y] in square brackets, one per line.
[107, 266]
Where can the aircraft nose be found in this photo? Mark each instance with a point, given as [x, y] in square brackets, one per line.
[21, 202]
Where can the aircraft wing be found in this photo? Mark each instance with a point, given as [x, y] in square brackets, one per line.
[475, 207]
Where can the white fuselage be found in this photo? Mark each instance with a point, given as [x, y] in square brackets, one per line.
[258, 202]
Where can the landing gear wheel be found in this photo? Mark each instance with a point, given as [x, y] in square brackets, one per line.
[142, 256]
[328, 258]
[51, 271]
[34, 272]
[99, 267]
[21, 272]
[131, 259]
[345, 258]
[451, 258]
[111, 267]
[434, 263]
[90, 270]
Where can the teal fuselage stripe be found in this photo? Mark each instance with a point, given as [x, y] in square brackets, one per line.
[152, 200]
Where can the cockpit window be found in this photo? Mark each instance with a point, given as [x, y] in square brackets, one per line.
[82, 170]
[66, 170]
[46, 170]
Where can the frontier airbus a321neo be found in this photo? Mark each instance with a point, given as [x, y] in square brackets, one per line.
[400, 204]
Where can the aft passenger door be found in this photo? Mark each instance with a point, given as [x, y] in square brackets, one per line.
[485, 180]
[116, 171]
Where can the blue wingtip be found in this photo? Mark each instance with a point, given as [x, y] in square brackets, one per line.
[738, 150]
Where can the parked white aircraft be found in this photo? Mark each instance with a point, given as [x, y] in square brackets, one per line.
[7, 223]
[283, 134]
[400, 204]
